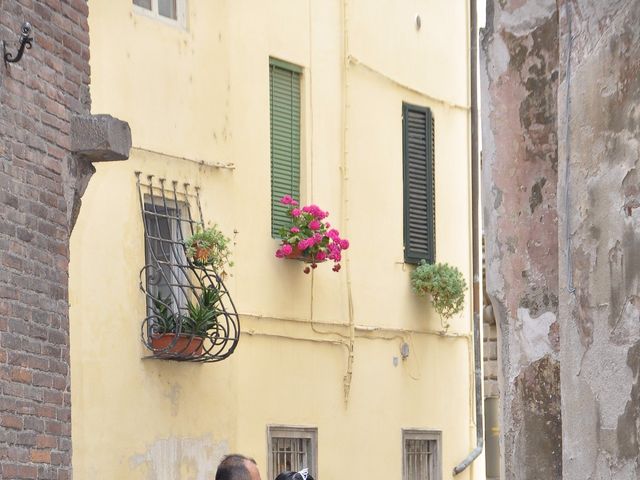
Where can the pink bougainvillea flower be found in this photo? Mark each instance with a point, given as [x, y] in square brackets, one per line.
[296, 212]
[279, 253]
[286, 200]
[293, 202]
[314, 225]
[321, 256]
[295, 230]
[287, 249]
[317, 238]
[327, 224]
[333, 234]
[344, 244]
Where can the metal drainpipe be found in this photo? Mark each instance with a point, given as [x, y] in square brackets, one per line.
[473, 20]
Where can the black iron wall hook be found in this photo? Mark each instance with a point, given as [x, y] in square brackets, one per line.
[25, 42]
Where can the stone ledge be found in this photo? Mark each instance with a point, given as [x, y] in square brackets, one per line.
[100, 138]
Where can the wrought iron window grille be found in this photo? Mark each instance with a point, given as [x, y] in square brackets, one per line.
[190, 315]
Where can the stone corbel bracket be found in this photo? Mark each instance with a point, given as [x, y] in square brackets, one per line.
[100, 138]
[94, 138]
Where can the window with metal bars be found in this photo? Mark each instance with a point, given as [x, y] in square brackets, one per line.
[164, 249]
[190, 314]
[421, 455]
[292, 449]
[284, 99]
[419, 184]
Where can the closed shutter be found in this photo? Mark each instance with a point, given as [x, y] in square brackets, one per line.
[419, 184]
[284, 82]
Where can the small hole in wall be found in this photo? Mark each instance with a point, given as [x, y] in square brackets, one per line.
[418, 22]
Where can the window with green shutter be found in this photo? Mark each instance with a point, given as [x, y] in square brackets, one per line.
[419, 184]
[284, 84]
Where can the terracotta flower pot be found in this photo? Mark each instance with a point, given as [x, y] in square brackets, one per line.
[297, 254]
[201, 254]
[185, 346]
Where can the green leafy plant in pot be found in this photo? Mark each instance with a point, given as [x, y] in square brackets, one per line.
[169, 336]
[164, 320]
[190, 330]
[209, 247]
[202, 314]
[444, 283]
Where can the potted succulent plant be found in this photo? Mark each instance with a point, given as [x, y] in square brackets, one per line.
[165, 337]
[190, 329]
[209, 247]
[310, 237]
[444, 283]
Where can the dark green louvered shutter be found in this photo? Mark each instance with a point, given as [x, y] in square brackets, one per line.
[284, 82]
[419, 184]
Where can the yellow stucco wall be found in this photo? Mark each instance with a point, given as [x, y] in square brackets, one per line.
[198, 96]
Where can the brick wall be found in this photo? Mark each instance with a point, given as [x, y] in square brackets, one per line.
[490, 357]
[38, 96]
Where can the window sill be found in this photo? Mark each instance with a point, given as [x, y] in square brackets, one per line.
[179, 24]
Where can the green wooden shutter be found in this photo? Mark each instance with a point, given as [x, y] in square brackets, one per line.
[284, 82]
[419, 184]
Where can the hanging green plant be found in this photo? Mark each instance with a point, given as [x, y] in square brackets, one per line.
[444, 283]
[209, 246]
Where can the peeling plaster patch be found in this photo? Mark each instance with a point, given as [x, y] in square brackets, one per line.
[499, 55]
[498, 198]
[629, 422]
[535, 199]
[533, 338]
[172, 458]
[605, 365]
[537, 395]
[174, 397]
[631, 246]
[627, 324]
[527, 18]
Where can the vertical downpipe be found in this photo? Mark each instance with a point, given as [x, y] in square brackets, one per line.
[344, 198]
[477, 354]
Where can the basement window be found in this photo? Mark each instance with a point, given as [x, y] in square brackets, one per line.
[172, 11]
[421, 452]
[292, 449]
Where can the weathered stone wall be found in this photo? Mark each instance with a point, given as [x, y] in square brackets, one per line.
[520, 77]
[569, 71]
[38, 177]
[599, 191]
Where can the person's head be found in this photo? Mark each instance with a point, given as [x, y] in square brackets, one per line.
[237, 467]
[302, 475]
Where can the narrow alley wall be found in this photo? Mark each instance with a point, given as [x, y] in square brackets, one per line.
[520, 78]
[561, 87]
[599, 237]
[38, 97]
[44, 124]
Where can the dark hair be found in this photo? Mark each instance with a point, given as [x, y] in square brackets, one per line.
[233, 467]
[292, 476]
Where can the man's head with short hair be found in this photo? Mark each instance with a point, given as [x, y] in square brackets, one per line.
[237, 467]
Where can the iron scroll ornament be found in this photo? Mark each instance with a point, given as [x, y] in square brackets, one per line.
[26, 42]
